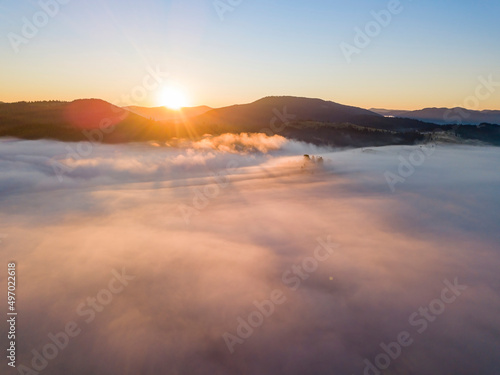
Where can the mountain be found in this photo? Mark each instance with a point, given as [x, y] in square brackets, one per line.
[309, 120]
[445, 116]
[254, 117]
[166, 114]
[72, 121]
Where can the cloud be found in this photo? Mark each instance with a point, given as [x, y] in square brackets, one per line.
[119, 208]
[238, 143]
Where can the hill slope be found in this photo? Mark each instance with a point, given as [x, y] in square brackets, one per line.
[71, 121]
[260, 114]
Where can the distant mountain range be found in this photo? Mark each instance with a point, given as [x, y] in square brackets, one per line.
[445, 116]
[310, 120]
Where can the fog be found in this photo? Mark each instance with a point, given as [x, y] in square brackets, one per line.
[206, 229]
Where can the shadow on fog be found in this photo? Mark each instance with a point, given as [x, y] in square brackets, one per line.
[118, 208]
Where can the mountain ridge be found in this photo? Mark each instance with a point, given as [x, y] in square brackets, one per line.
[261, 113]
[304, 119]
[445, 116]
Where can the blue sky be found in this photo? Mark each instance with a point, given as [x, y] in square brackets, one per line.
[430, 54]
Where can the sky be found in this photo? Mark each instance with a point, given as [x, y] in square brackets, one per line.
[425, 54]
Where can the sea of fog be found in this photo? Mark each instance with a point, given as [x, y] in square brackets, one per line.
[238, 255]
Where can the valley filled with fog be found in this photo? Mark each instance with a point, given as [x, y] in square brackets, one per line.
[237, 254]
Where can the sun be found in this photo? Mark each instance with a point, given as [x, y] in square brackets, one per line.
[173, 98]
